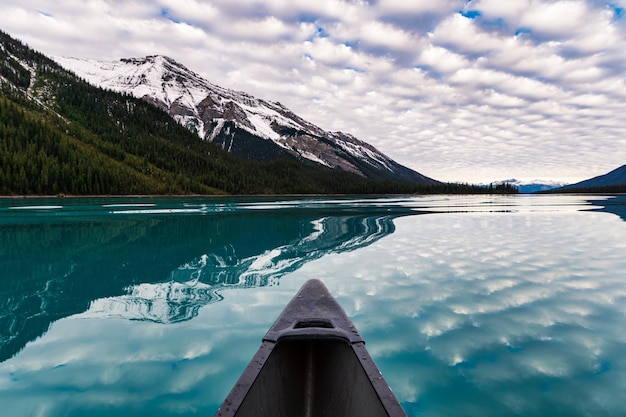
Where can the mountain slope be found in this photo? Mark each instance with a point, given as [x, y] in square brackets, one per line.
[615, 177]
[43, 151]
[239, 123]
[61, 135]
[614, 181]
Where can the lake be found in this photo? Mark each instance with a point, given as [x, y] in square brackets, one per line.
[469, 305]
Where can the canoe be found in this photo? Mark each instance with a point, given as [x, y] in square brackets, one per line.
[312, 363]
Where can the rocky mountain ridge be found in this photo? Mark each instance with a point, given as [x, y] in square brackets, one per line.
[238, 122]
[60, 135]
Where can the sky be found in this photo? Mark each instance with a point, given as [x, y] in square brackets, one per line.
[462, 91]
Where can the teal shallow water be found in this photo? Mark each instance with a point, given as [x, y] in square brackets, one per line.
[474, 306]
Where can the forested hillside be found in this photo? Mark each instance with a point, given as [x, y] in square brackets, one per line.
[613, 182]
[60, 135]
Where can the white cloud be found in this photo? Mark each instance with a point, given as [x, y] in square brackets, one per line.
[327, 52]
[439, 91]
[202, 13]
[442, 59]
[496, 9]
[418, 7]
[386, 35]
[556, 19]
[466, 36]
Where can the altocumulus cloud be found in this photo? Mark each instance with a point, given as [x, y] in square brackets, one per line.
[459, 90]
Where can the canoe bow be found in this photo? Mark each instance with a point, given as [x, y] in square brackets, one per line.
[312, 362]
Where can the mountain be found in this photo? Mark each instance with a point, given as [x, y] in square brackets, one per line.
[535, 186]
[60, 135]
[236, 121]
[614, 179]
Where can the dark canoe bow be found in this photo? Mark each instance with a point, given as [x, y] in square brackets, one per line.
[312, 363]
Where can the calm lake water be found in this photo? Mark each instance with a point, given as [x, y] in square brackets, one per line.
[470, 306]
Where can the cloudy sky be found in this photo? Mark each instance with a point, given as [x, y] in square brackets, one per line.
[458, 90]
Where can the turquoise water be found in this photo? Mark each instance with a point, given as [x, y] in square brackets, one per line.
[470, 306]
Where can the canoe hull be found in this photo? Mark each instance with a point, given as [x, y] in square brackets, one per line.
[312, 362]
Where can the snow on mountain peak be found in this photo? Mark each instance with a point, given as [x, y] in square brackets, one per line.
[527, 187]
[217, 114]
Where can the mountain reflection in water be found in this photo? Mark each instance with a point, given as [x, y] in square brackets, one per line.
[160, 260]
[615, 205]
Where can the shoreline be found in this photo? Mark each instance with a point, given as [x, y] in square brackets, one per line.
[60, 197]
[28, 197]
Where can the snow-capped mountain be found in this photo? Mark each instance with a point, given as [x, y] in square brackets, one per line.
[238, 122]
[529, 187]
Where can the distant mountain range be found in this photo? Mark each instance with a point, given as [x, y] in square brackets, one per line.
[236, 121]
[612, 182]
[529, 187]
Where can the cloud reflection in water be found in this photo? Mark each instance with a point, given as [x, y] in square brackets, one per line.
[501, 314]
[496, 307]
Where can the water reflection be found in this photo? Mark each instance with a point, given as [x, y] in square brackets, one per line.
[160, 260]
[495, 314]
[492, 306]
[615, 205]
